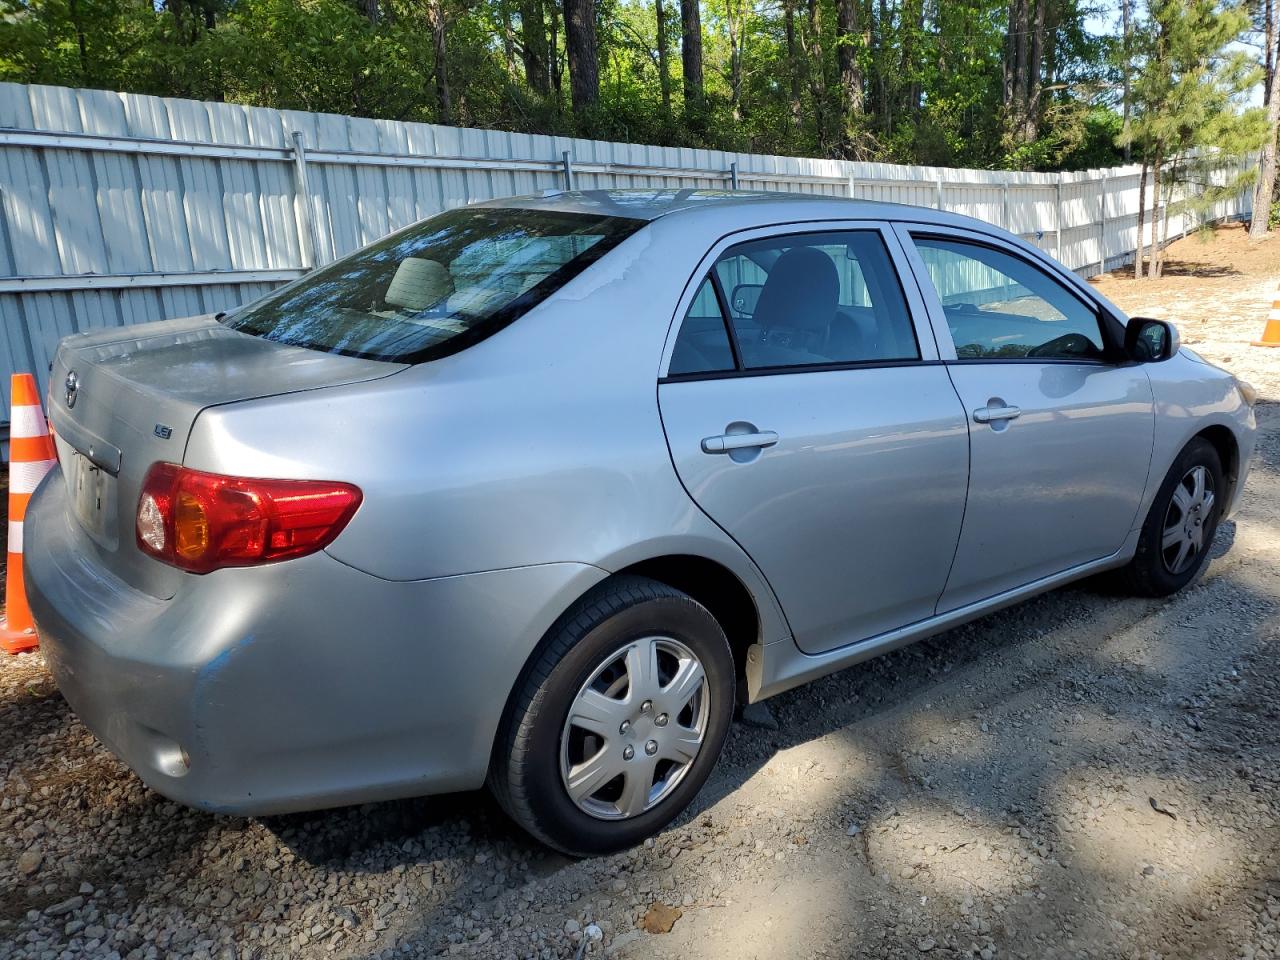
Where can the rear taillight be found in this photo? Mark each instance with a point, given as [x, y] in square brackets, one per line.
[202, 521]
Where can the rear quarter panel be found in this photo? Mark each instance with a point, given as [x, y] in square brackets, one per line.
[542, 444]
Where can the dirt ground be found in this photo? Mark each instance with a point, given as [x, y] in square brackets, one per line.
[1218, 288]
[1085, 775]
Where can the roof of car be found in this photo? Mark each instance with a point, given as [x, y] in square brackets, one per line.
[742, 209]
[745, 207]
[652, 204]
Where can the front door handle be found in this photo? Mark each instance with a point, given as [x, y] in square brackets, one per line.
[728, 442]
[992, 414]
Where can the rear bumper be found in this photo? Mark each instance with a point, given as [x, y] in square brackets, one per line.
[292, 686]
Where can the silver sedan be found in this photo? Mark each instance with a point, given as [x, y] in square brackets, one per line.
[534, 493]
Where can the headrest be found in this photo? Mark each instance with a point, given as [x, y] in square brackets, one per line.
[801, 293]
[419, 284]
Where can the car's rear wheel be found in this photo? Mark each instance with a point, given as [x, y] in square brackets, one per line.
[619, 720]
[1179, 528]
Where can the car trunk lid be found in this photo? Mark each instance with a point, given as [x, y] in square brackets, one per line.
[123, 399]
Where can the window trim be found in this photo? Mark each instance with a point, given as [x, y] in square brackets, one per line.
[723, 303]
[908, 231]
[799, 368]
[917, 310]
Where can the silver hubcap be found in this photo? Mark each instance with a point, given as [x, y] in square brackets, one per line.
[1187, 520]
[634, 729]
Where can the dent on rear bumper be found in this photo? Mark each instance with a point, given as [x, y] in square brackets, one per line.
[291, 686]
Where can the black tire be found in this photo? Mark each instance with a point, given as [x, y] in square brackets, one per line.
[525, 774]
[1149, 573]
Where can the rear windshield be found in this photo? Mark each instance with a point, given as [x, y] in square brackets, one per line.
[436, 287]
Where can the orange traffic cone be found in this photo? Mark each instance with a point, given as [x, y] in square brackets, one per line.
[1271, 332]
[31, 456]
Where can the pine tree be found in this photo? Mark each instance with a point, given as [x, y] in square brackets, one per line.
[1264, 195]
[1188, 112]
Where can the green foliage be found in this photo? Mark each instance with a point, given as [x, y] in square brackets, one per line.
[1188, 98]
[931, 71]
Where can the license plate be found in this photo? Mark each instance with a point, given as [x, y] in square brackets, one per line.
[91, 491]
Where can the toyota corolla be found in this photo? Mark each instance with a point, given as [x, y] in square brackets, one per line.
[533, 493]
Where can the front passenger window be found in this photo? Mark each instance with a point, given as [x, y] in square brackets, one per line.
[1000, 307]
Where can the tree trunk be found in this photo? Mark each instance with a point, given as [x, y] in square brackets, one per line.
[533, 43]
[870, 58]
[1126, 16]
[848, 46]
[74, 9]
[1263, 195]
[915, 90]
[580, 43]
[1139, 256]
[1011, 39]
[1020, 25]
[1155, 216]
[691, 52]
[444, 103]
[793, 63]
[733, 26]
[812, 49]
[1269, 59]
[370, 10]
[1035, 57]
[664, 65]
[882, 73]
[912, 27]
[1049, 69]
[1171, 182]
[508, 41]
[553, 59]
[876, 80]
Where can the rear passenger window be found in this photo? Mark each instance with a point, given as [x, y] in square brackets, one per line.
[702, 345]
[813, 299]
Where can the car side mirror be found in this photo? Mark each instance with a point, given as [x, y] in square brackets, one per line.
[1149, 341]
[744, 299]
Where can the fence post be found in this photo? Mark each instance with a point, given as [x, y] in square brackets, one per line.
[941, 203]
[308, 243]
[567, 160]
[1102, 225]
[733, 175]
[853, 187]
[1007, 220]
[1057, 219]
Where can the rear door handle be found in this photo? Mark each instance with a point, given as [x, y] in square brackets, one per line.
[992, 414]
[728, 442]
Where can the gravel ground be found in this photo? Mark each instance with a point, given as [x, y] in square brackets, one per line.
[1083, 775]
[1218, 288]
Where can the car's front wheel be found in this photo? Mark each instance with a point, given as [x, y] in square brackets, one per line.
[619, 720]
[1179, 528]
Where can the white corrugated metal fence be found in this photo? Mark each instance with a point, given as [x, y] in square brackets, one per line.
[117, 208]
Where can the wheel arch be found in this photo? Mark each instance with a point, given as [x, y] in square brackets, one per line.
[718, 589]
[1228, 447]
[713, 584]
